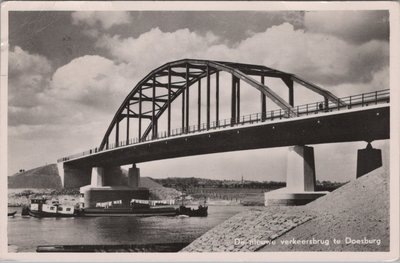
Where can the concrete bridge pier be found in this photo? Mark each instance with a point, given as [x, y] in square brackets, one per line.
[368, 159]
[134, 177]
[300, 179]
[97, 177]
[108, 185]
[113, 176]
[72, 176]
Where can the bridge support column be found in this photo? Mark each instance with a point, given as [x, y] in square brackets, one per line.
[113, 176]
[134, 177]
[108, 184]
[300, 174]
[97, 178]
[368, 159]
[72, 176]
[300, 179]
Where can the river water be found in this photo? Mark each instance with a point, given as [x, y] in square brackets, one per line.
[26, 233]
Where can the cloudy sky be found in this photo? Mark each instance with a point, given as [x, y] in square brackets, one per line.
[70, 71]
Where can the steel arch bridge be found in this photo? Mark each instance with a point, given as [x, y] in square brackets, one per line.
[153, 95]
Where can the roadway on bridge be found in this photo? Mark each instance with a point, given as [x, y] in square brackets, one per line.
[360, 124]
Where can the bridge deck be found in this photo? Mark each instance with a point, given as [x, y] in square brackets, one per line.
[349, 120]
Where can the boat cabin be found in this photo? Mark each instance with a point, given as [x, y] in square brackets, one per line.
[37, 203]
[40, 205]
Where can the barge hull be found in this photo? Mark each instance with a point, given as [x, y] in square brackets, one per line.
[129, 212]
[45, 214]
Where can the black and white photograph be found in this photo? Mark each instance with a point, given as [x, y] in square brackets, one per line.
[199, 130]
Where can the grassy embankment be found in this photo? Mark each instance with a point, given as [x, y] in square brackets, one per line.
[45, 181]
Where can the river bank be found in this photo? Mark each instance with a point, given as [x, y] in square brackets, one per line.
[21, 197]
[356, 212]
[250, 230]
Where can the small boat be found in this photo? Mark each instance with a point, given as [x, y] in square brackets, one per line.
[25, 211]
[12, 213]
[201, 211]
[40, 208]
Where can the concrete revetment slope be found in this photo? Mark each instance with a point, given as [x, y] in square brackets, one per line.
[358, 210]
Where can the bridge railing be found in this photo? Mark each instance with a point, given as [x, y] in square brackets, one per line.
[360, 100]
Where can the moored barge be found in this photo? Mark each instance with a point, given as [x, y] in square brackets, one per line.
[137, 208]
[116, 211]
[40, 208]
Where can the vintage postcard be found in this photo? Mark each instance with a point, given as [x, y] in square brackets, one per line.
[199, 131]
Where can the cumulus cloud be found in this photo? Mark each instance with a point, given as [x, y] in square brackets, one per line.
[156, 47]
[105, 19]
[29, 75]
[354, 26]
[85, 90]
[35, 115]
[94, 84]
[92, 81]
[379, 81]
[321, 58]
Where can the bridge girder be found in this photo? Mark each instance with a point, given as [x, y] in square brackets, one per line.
[187, 77]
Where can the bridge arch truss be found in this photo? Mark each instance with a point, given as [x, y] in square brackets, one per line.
[153, 95]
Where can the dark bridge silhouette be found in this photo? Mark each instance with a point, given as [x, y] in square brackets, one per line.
[361, 117]
[174, 79]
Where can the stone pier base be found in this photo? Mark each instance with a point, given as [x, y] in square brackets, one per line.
[107, 186]
[91, 196]
[285, 197]
[300, 180]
